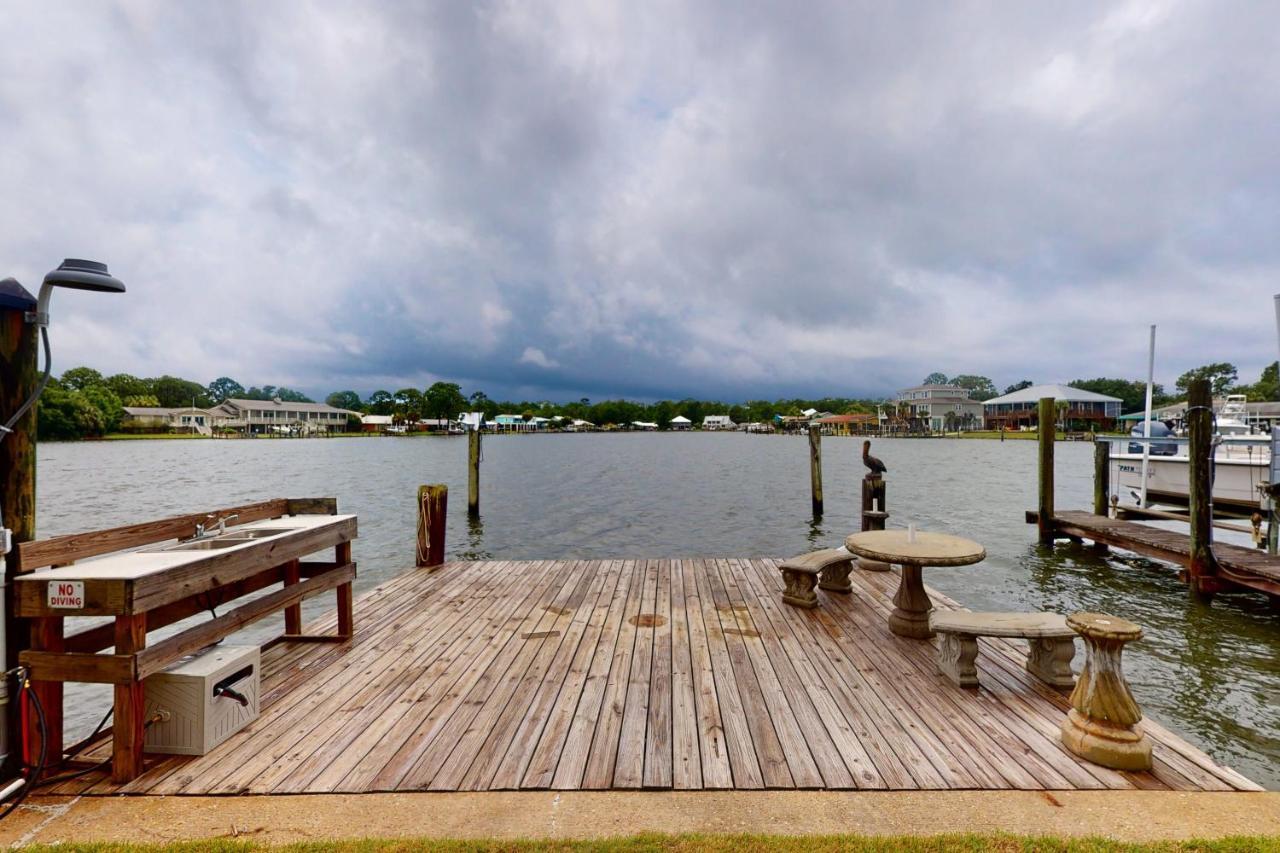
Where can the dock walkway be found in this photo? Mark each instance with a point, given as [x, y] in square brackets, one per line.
[657, 674]
[1252, 568]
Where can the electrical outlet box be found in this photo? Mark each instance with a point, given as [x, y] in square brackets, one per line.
[201, 695]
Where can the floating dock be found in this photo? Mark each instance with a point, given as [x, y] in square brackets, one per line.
[629, 674]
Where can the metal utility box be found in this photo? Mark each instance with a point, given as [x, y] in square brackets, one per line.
[208, 697]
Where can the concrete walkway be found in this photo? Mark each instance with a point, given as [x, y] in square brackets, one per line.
[1121, 815]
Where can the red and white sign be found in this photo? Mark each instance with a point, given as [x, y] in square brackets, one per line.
[66, 594]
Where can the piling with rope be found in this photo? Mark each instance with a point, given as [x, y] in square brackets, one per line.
[433, 507]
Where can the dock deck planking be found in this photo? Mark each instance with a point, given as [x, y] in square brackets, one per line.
[682, 674]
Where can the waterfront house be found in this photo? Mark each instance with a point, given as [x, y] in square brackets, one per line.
[718, 422]
[935, 408]
[855, 424]
[278, 416]
[680, 422]
[376, 423]
[517, 423]
[644, 426]
[1072, 406]
[151, 419]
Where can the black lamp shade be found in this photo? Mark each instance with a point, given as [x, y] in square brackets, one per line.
[79, 274]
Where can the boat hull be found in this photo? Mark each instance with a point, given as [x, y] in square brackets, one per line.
[1237, 475]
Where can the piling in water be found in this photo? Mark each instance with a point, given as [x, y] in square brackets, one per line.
[433, 506]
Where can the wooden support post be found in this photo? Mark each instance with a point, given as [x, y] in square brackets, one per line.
[473, 474]
[292, 613]
[1101, 477]
[815, 467]
[1047, 434]
[18, 379]
[129, 727]
[46, 636]
[433, 506]
[346, 611]
[1203, 566]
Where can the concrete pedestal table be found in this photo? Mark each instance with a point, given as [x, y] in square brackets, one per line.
[910, 617]
[1101, 725]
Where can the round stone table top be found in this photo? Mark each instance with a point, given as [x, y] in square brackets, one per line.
[1102, 626]
[928, 549]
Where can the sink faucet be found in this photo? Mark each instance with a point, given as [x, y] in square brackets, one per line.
[218, 525]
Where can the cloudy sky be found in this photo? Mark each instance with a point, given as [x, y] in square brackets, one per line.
[560, 199]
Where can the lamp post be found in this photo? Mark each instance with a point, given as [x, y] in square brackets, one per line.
[24, 322]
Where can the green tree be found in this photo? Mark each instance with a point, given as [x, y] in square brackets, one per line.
[224, 388]
[80, 378]
[174, 393]
[142, 401]
[979, 387]
[126, 386]
[444, 400]
[1132, 394]
[1221, 376]
[349, 400]
[1018, 386]
[935, 378]
[66, 414]
[105, 401]
[288, 395]
[1268, 385]
[409, 404]
[380, 403]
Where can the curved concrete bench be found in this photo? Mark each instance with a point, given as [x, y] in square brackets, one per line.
[802, 573]
[1052, 643]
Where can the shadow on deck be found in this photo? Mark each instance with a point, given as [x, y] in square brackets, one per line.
[680, 674]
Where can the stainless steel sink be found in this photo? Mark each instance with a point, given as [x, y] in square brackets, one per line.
[209, 544]
[260, 532]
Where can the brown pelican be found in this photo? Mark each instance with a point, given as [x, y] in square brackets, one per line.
[875, 465]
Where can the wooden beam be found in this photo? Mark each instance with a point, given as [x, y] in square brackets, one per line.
[77, 546]
[165, 652]
[78, 666]
[128, 726]
[312, 506]
[1047, 434]
[1199, 417]
[433, 510]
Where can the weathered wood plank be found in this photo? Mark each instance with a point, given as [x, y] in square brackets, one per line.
[628, 770]
[686, 771]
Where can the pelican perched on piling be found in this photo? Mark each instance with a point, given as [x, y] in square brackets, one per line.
[875, 465]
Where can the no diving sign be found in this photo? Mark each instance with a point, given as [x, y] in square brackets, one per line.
[66, 594]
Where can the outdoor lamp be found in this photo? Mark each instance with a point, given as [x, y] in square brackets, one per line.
[75, 274]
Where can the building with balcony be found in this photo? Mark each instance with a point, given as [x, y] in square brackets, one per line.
[937, 408]
[1073, 407]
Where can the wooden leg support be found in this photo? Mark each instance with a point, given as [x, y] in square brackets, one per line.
[957, 658]
[46, 636]
[292, 614]
[346, 614]
[1049, 659]
[799, 591]
[835, 577]
[129, 726]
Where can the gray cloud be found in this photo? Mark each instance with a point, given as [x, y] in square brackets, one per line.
[547, 200]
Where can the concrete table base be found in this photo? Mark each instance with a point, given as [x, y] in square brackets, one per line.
[1102, 724]
[910, 616]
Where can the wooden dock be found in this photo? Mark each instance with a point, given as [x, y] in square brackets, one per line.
[1250, 568]
[658, 674]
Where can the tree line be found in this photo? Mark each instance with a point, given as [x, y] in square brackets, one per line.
[84, 403]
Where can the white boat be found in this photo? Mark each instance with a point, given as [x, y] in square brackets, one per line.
[1242, 463]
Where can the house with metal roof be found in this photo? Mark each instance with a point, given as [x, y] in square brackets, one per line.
[278, 416]
[716, 422]
[1072, 405]
[152, 419]
[680, 422]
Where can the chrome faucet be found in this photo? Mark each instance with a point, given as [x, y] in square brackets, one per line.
[217, 527]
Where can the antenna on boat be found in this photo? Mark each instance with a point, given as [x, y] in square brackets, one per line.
[1146, 422]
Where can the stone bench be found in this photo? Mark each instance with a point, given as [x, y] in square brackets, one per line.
[801, 575]
[1052, 643]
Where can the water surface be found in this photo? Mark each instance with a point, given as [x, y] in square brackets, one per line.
[1212, 673]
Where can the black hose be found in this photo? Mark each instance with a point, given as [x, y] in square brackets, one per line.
[44, 747]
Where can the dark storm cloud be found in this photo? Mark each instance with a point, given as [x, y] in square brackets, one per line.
[647, 199]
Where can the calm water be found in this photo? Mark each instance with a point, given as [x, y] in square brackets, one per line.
[1211, 673]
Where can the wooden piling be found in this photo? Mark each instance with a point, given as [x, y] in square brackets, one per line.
[815, 467]
[1202, 566]
[1047, 434]
[473, 472]
[433, 507]
[1101, 477]
[18, 380]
